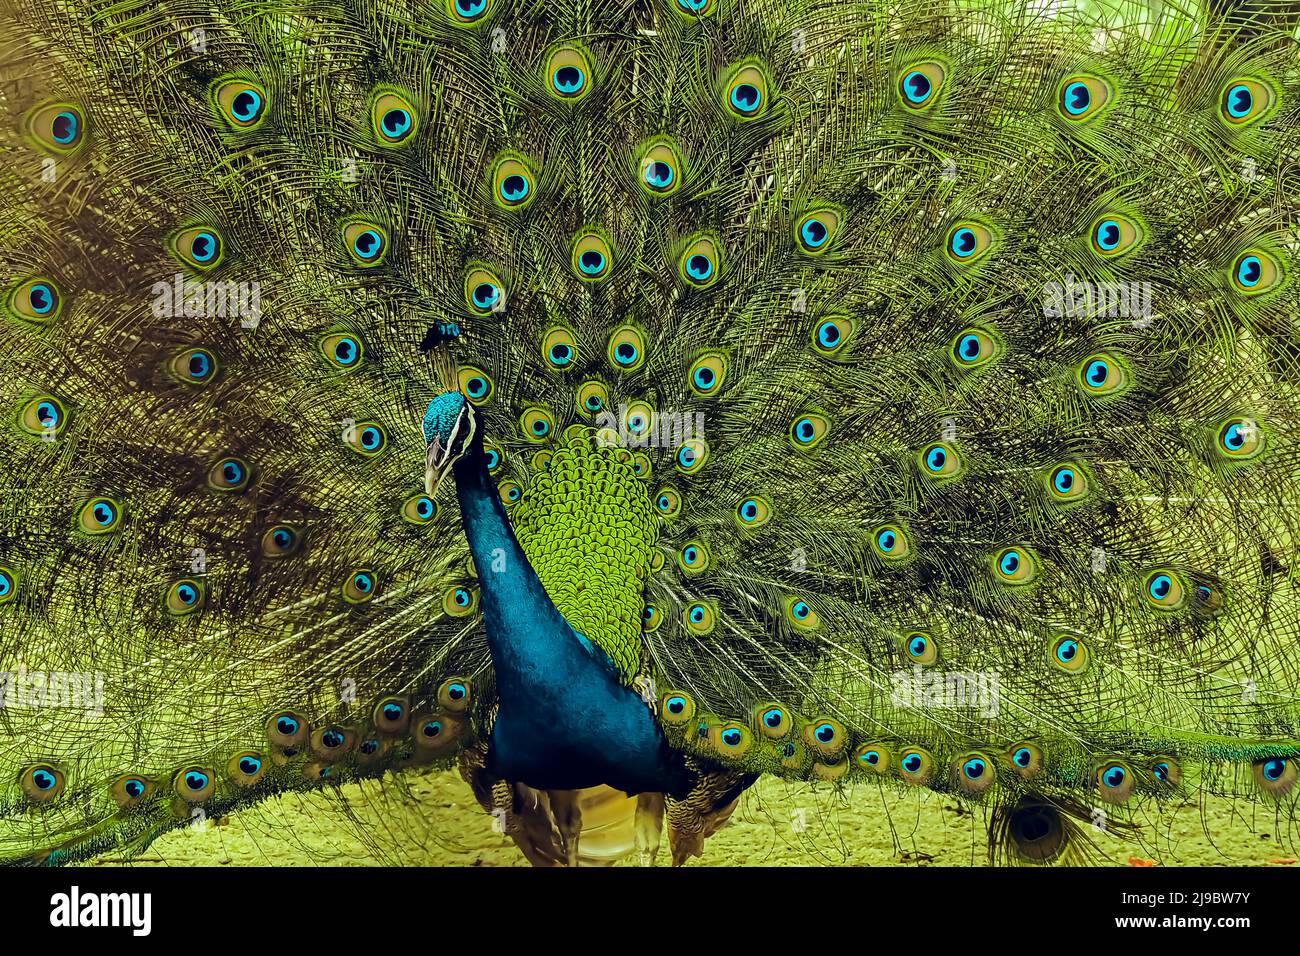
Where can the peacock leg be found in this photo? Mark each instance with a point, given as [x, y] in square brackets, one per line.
[649, 826]
[567, 813]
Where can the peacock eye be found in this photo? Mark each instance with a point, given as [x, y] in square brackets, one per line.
[872, 757]
[807, 431]
[591, 397]
[1164, 590]
[1082, 98]
[1016, 566]
[99, 516]
[1276, 776]
[360, 586]
[920, 83]
[827, 738]
[200, 247]
[513, 181]
[1255, 272]
[466, 12]
[831, 335]
[707, 373]
[35, 300]
[184, 597]
[700, 260]
[699, 618]
[366, 243]
[1239, 439]
[651, 618]
[1246, 100]
[1102, 375]
[559, 348]
[626, 348]
[753, 512]
[1114, 234]
[1067, 482]
[940, 460]
[774, 721]
[1026, 760]
[973, 774]
[677, 708]
[1114, 782]
[454, 695]
[1166, 772]
[968, 242]
[591, 255]
[43, 415]
[815, 231]
[229, 474]
[240, 102]
[42, 782]
[460, 601]
[973, 348]
[890, 543]
[915, 766]
[692, 456]
[661, 166]
[342, 350]
[193, 366]
[129, 790]
[747, 90]
[801, 614]
[419, 510]
[245, 769]
[8, 585]
[668, 502]
[57, 127]
[392, 118]
[193, 784]
[568, 73]
[366, 438]
[1069, 653]
[921, 648]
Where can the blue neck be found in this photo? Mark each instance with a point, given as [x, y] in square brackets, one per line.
[564, 718]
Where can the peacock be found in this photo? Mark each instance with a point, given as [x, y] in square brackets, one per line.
[622, 401]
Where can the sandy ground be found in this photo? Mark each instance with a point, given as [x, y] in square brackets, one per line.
[433, 820]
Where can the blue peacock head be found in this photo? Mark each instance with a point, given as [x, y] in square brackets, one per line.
[450, 424]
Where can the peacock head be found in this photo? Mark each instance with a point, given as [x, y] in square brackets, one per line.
[450, 424]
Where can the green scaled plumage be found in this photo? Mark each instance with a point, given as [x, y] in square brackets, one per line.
[922, 378]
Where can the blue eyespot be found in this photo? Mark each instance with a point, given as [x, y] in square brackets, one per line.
[249, 766]
[699, 267]
[1022, 757]
[690, 555]
[800, 610]
[200, 365]
[246, 105]
[1097, 373]
[686, 456]
[1077, 98]
[64, 128]
[676, 705]
[331, 739]
[697, 615]
[493, 457]
[704, 378]
[367, 244]
[886, 539]
[1108, 235]
[461, 597]
[936, 459]
[773, 717]
[133, 788]
[748, 510]
[917, 87]
[431, 728]
[456, 691]
[286, 726]
[1160, 586]
[1010, 563]
[828, 334]
[485, 295]
[43, 779]
[369, 746]
[561, 355]
[6, 583]
[104, 513]
[814, 233]
[514, 188]
[363, 582]
[196, 780]
[1067, 651]
[1114, 776]
[912, 762]
[592, 262]
[1161, 770]
[963, 242]
[471, 8]
[47, 413]
[204, 247]
[824, 732]
[42, 298]
[732, 737]
[973, 769]
[1273, 769]
[232, 472]
[187, 594]
[805, 430]
[1063, 480]
[396, 123]
[658, 174]
[1249, 271]
[745, 97]
[1240, 101]
[916, 646]
[371, 438]
[968, 349]
[393, 712]
[626, 353]
[872, 757]
[346, 350]
[568, 80]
